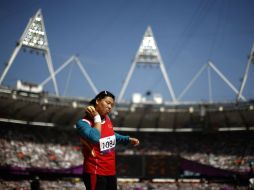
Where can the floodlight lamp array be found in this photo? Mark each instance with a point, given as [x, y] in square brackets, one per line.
[148, 46]
[35, 36]
[148, 51]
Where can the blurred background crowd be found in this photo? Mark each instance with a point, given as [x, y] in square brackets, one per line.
[44, 147]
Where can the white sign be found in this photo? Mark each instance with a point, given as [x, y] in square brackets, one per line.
[107, 143]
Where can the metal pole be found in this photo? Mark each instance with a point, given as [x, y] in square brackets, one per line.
[225, 80]
[85, 74]
[126, 81]
[250, 60]
[9, 63]
[192, 81]
[209, 84]
[51, 71]
[43, 83]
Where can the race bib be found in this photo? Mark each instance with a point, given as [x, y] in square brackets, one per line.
[107, 143]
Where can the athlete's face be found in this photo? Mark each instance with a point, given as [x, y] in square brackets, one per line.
[105, 105]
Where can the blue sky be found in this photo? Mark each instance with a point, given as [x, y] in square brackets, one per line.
[106, 36]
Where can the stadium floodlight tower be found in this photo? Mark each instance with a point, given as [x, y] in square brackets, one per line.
[250, 61]
[34, 37]
[148, 53]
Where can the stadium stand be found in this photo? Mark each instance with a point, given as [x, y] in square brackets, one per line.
[209, 144]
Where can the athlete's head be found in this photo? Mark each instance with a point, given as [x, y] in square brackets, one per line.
[103, 102]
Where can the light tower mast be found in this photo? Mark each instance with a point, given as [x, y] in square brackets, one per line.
[148, 53]
[33, 37]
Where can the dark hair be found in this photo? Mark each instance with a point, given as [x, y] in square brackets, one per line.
[101, 95]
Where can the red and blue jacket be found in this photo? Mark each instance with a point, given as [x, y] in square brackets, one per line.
[99, 148]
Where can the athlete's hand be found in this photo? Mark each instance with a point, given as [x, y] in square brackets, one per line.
[134, 141]
[90, 110]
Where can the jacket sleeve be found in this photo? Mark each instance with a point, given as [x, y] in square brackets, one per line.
[122, 139]
[85, 130]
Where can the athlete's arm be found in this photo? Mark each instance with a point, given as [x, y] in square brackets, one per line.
[122, 139]
[125, 140]
[88, 132]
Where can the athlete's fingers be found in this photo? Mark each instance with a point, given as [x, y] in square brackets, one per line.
[136, 142]
[91, 111]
